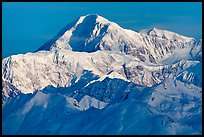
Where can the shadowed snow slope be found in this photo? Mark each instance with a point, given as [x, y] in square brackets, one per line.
[166, 111]
[95, 77]
[93, 32]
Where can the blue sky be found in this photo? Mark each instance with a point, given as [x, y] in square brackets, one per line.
[27, 25]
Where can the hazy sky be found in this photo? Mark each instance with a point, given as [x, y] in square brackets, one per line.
[27, 25]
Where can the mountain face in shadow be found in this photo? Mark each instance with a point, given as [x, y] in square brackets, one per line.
[95, 77]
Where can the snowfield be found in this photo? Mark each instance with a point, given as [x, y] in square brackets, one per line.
[95, 77]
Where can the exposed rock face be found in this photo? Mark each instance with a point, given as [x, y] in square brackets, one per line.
[93, 71]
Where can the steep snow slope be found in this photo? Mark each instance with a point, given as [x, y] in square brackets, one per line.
[34, 71]
[180, 101]
[8, 91]
[93, 32]
[94, 75]
[140, 112]
[192, 75]
[166, 35]
[192, 50]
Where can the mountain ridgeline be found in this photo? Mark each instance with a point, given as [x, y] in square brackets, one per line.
[94, 75]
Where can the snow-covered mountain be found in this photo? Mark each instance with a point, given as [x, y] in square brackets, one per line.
[166, 35]
[94, 75]
[92, 33]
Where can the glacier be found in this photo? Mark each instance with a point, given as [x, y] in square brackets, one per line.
[97, 78]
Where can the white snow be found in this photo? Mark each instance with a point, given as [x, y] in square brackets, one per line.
[166, 34]
[97, 78]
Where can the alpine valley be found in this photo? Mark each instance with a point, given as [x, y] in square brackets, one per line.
[95, 77]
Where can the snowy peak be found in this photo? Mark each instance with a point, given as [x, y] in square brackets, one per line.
[166, 34]
[113, 75]
[92, 18]
[81, 35]
[97, 17]
[92, 32]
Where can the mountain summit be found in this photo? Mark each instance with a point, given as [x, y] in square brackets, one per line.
[94, 75]
[76, 34]
[92, 33]
[166, 35]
